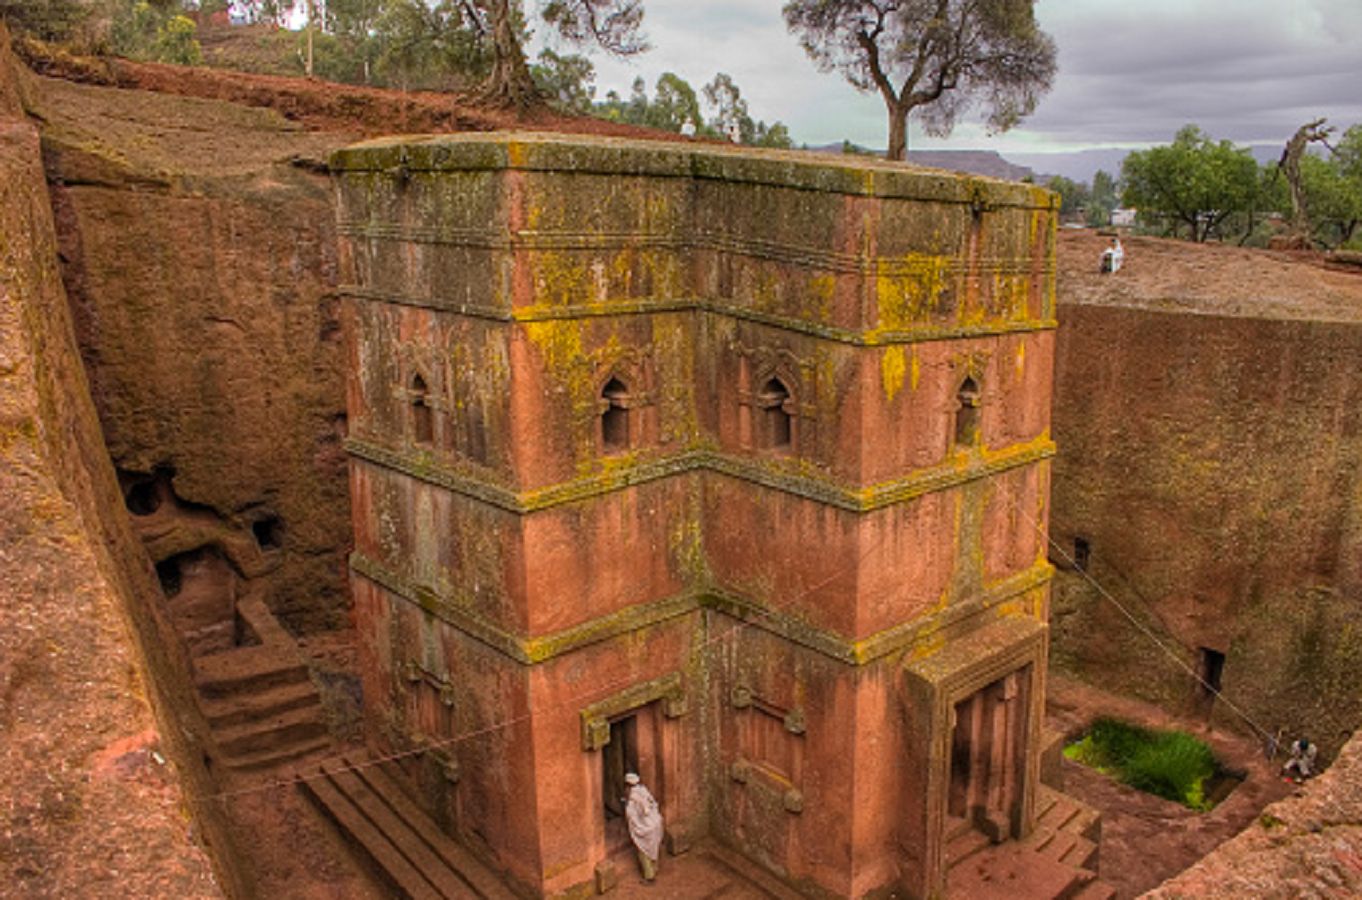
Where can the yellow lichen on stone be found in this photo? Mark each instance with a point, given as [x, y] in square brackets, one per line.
[560, 280]
[822, 289]
[685, 541]
[928, 645]
[893, 367]
[909, 296]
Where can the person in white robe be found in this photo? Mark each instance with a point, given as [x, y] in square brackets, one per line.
[645, 825]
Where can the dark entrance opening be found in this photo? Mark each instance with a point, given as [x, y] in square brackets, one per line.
[269, 532]
[984, 792]
[967, 413]
[617, 758]
[1209, 671]
[168, 572]
[1082, 554]
[143, 498]
[422, 416]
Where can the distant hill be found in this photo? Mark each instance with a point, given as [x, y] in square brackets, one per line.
[973, 162]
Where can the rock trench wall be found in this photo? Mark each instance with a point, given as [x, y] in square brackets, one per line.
[1213, 466]
[199, 256]
[90, 689]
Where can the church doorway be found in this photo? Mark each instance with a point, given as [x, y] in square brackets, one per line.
[986, 759]
[618, 757]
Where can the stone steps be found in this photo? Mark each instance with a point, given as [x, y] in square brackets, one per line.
[408, 848]
[272, 732]
[223, 712]
[1057, 861]
[260, 703]
[247, 670]
[272, 758]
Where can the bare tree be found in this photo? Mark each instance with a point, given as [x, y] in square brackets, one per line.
[1290, 166]
[939, 56]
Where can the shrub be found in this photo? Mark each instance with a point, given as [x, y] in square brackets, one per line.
[1169, 764]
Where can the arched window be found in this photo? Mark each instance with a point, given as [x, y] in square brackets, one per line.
[615, 416]
[422, 416]
[777, 421]
[967, 413]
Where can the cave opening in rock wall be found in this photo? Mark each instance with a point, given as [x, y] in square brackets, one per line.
[1210, 670]
[143, 499]
[268, 532]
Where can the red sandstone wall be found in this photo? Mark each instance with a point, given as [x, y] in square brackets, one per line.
[1213, 464]
[520, 292]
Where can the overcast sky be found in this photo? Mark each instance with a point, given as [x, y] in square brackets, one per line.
[1130, 72]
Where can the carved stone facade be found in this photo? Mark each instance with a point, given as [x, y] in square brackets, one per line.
[729, 468]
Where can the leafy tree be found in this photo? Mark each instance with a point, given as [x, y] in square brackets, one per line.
[1073, 195]
[936, 56]
[565, 80]
[776, 135]
[50, 20]
[154, 30]
[1105, 198]
[731, 118]
[1194, 182]
[1334, 200]
[354, 26]
[674, 103]
[730, 109]
[422, 45]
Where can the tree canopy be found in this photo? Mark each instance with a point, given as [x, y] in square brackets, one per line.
[1194, 182]
[939, 57]
[675, 102]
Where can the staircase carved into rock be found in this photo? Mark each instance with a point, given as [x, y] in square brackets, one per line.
[261, 706]
[1058, 860]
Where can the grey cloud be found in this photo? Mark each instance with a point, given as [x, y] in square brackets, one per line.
[1130, 73]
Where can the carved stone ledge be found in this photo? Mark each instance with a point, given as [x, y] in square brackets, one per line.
[596, 717]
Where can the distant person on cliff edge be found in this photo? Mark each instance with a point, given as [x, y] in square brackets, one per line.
[1113, 256]
[645, 825]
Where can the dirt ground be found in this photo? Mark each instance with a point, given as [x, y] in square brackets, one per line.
[1212, 279]
[1146, 839]
[320, 105]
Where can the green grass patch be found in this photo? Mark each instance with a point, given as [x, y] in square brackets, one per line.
[1169, 764]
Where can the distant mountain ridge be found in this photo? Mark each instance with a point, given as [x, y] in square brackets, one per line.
[1079, 165]
[988, 163]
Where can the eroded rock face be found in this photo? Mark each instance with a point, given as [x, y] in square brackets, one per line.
[86, 810]
[199, 253]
